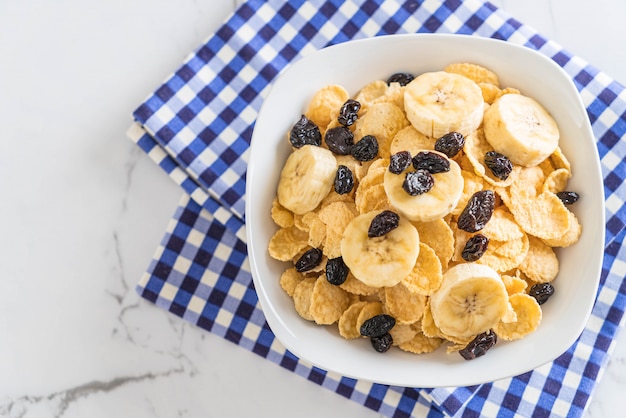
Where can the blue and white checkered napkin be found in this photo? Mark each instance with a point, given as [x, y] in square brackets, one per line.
[197, 127]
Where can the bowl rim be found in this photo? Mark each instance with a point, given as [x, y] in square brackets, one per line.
[289, 337]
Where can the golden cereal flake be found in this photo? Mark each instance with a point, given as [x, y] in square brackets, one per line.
[328, 302]
[476, 146]
[556, 181]
[290, 279]
[347, 320]
[281, 216]
[383, 121]
[514, 284]
[286, 243]
[357, 287]
[427, 274]
[412, 140]
[528, 314]
[421, 344]
[476, 73]
[302, 297]
[502, 226]
[371, 92]
[405, 306]
[370, 310]
[437, 235]
[402, 333]
[326, 104]
[570, 237]
[490, 92]
[505, 255]
[540, 264]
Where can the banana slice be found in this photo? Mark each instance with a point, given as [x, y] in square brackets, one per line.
[306, 179]
[380, 261]
[471, 299]
[434, 204]
[437, 103]
[520, 128]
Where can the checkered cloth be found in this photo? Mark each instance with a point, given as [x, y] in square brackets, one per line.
[197, 126]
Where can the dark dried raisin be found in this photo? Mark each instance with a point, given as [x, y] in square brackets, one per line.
[340, 140]
[336, 271]
[399, 162]
[477, 212]
[450, 144]
[402, 78]
[541, 292]
[568, 198]
[366, 149]
[377, 325]
[382, 223]
[499, 164]
[305, 132]
[349, 112]
[431, 161]
[383, 343]
[309, 260]
[475, 247]
[418, 182]
[344, 180]
[479, 345]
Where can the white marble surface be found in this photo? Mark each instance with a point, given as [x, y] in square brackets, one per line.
[83, 211]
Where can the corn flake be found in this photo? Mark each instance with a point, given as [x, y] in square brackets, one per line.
[382, 120]
[328, 302]
[426, 276]
[326, 104]
[528, 314]
[290, 279]
[540, 264]
[302, 297]
[476, 73]
[347, 321]
[286, 243]
[405, 306]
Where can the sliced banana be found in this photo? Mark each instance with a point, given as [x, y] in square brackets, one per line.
[380, 261]
[306, 179]
[437, 103]
[434, 204]
[471, 299]
[520, 128]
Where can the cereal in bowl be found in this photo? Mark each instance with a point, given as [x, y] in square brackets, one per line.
[424, 211]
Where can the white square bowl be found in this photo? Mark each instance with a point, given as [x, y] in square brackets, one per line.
[354, 64]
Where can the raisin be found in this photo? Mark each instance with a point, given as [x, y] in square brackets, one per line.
[366, 149]
[568, 198]
[383, 343]
[418, 182]
[402, 78]
[479, 345]
[450, 144]
[305, 132]
[344, 180]
[499, 164]
[475, 247]
[399, 162]
[309, 260]
[336, 271]
[477, 212]
[431, 161]
[340, 140]
[382, 223]
[541, 292]
[377, 325]
[349, 112]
